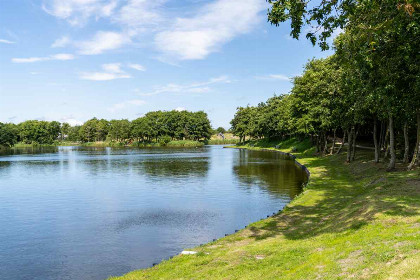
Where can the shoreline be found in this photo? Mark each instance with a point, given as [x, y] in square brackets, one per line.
[172, 144]
[328, 223]
[289, 156]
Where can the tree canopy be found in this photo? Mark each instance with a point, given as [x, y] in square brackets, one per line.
[373, 75]
[172, 125]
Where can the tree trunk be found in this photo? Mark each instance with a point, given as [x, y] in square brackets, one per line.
[416, 156]
[386, 143]
[333, 143]
[375, 140]
[350, 136]
[342, 142]
[406, 143]
[353, 150]
[318, 149]
[325, 144]
[391, 165]
[381, 136]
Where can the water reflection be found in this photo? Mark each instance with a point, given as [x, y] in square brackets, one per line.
[269, 170]
[178, 167]
[27, 150]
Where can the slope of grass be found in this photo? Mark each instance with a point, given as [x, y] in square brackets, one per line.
[351, 221]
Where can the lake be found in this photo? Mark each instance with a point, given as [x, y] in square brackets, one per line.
[89, 213]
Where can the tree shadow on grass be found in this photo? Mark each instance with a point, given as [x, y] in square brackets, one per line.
[346, 197]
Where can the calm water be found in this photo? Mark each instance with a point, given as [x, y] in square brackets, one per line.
[88, 213]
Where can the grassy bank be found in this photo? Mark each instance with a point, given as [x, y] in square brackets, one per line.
[229, 139]
[352, 221]
[33, 145]
[171, 144]
[37, 145]
[223, 141]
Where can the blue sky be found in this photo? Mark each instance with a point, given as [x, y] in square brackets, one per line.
[71, 60]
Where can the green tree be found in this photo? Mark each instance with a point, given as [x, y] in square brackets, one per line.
[88, 131]
[8, 134]
[65, 129]
[120, 130]
[220, 130]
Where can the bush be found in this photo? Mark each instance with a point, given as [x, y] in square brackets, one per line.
[164, 140]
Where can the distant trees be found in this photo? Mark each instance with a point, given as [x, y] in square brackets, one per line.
[154, 126]
[34, 131]
[178, 125]
[8, 134]
[119, 130]
[94, 130]
[65, 130]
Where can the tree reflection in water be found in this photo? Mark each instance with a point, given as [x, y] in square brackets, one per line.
[269, 170]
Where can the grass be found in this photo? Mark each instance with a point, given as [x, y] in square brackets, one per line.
[218, 140]
[351, 221]
[223, 141]
[33, 145]
[171, 144]
[100, 144]
[185, 143]
[36, 145]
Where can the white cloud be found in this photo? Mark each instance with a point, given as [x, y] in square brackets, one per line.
[112, 67]
[214, 25]
[29, 59]
[122, 105]
[140, 13]
[61, 42]
[109, 8]
[4, 41]
[199, 90]
[195, 36]
[60, 56]
[196, 87]
[102, 41]
[71, 121]
[137, 67]
[77, 12]
[180, 109]
[112, 71]
[101, 76]
[274, 77]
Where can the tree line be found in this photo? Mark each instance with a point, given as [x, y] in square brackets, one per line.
[154, 126]
[369, 87]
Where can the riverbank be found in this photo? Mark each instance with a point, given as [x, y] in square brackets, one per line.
[352, 220]
[171, 144]
[228, 139]
[151, 144]
[99, 144]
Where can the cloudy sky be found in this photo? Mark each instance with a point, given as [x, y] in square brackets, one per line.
[71, 60]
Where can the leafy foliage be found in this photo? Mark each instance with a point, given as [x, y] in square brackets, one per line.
[160, 126]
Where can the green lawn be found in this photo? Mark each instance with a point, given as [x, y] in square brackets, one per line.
[352, 221]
